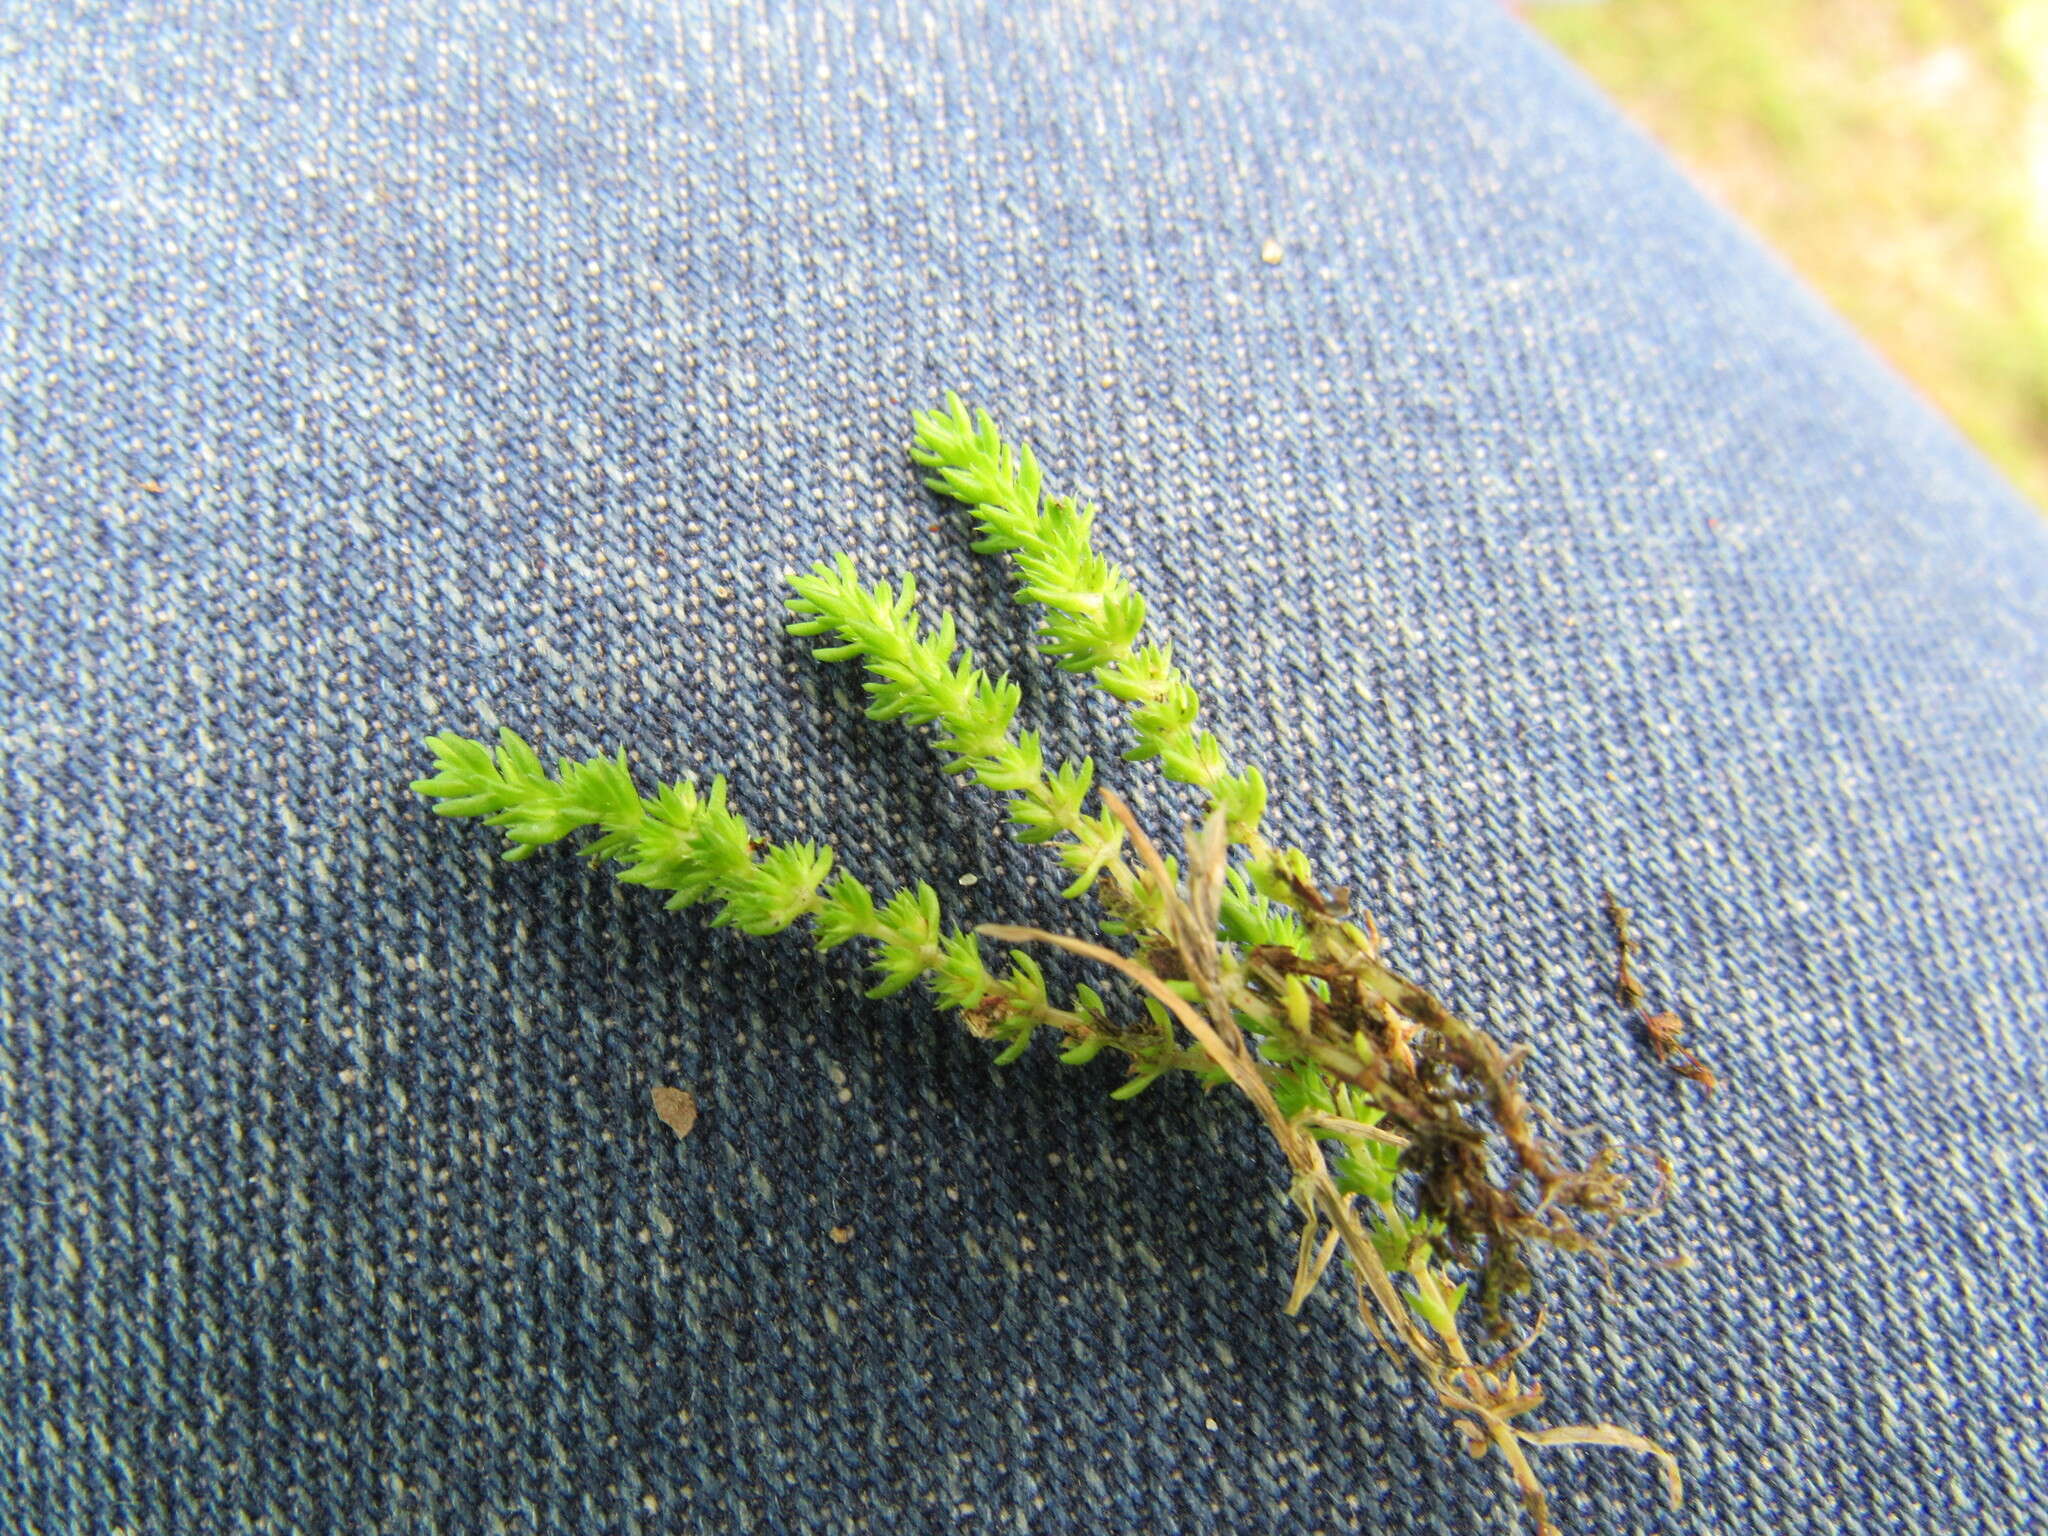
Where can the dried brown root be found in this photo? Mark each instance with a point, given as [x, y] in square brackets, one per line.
[1660, 1029]
[1421, 1066]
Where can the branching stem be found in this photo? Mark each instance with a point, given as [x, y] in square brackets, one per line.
[1383, 1102]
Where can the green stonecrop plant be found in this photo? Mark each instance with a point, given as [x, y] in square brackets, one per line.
[1409, 1144]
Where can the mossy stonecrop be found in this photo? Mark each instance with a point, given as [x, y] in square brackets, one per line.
[1383, 1101]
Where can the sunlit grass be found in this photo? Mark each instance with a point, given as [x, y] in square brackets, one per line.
[1895, 151]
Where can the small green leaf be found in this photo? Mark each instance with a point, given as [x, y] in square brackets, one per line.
[1429, 1311]
[1080, 1055]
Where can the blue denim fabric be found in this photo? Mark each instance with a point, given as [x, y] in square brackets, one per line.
[384, 369]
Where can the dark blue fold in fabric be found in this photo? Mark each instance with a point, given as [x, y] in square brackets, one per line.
[376, 372]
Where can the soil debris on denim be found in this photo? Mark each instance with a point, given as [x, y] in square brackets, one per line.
[677, 1108]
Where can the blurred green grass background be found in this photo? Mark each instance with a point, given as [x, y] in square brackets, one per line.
[1894, 151]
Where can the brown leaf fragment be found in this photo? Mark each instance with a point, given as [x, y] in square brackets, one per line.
[1664, 1030]
[1627, 990]
[677, 1108]
[841, 1235]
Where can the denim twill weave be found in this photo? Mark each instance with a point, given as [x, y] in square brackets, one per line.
[384, 369]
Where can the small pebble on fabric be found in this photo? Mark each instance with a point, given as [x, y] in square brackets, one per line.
[677, 1108]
